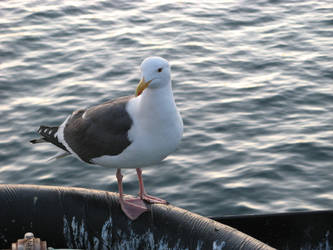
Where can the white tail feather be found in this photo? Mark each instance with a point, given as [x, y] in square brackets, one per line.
[58, 156]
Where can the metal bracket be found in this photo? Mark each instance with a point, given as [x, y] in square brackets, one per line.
[29, 243]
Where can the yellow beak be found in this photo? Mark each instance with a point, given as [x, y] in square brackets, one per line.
[141, 87]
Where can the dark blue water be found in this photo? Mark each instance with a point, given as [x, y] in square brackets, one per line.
[253, 82]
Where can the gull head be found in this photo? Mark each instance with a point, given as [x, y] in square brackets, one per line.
[155, 73]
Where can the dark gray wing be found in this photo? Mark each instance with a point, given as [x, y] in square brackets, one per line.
[99, 130]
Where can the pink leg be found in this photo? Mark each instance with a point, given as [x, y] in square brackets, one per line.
[120, 182]
[143, 195]
[132, 207]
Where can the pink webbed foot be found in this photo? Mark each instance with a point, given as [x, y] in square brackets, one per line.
[133, 207]
[152, 199]
[143, 195]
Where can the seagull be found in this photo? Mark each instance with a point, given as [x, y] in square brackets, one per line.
[128, 132]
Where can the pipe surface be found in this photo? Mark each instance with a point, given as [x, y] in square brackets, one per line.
[69, 217]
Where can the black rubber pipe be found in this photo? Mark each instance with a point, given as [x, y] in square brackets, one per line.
[293, 230]
[91, 219]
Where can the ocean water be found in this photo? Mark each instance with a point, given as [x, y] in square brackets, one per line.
[253, 81]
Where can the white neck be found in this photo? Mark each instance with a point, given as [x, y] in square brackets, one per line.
[157, 98]
[156, 105]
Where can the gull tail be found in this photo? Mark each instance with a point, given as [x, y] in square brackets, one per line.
[58, 156]
[49, 134]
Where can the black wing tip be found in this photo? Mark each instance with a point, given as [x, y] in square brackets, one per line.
[33, 141]
[41, 128]
[47, 131]
[49, 134]
[40, 140]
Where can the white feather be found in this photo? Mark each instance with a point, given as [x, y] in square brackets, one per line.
[59, 155]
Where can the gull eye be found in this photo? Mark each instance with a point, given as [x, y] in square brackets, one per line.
[159, 69]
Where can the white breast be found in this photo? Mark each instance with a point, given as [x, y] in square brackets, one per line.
[156, 131]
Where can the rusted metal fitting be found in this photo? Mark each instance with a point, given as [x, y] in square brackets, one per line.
[29, 243]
